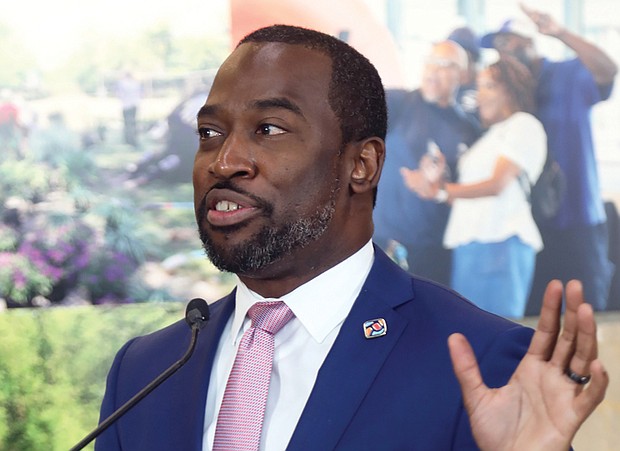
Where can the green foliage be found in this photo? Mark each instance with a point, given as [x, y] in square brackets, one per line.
[155, 50]
[200, 53]
[8, 238]
[21, 279]
[27, 177]
[53, 365]
[53, 362]
[160, 40]
[60, 233]
[58, 148]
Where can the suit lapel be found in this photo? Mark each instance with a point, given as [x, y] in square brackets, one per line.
[354, 361]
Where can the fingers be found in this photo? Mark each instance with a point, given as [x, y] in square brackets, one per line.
[576, 346]
[593, 395]
[545, 23]
[545, 338]
[527, 10]
[567, 342]
[533, 14]
[466, 370]
[586, 349]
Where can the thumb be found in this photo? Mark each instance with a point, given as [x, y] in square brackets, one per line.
[467, 371]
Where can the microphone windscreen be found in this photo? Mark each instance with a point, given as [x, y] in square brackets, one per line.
[197, 312]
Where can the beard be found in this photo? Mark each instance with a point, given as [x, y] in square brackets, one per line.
[523, 55]
[272, 242]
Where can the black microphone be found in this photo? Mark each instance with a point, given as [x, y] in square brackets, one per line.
[196, 315]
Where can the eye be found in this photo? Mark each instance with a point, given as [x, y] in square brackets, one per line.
[206, 133]
[269, 129]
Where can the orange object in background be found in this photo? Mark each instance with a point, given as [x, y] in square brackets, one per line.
[350, 20]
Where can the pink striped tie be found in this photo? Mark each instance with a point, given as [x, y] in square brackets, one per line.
[240, 420]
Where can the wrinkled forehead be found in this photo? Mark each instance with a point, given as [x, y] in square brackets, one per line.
[274, 66]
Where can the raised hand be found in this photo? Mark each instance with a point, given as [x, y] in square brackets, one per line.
[541, 407]
[546, 24]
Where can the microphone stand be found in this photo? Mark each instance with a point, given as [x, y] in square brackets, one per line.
[141, 394]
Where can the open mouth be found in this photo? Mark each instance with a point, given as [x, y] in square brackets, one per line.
[227, 207]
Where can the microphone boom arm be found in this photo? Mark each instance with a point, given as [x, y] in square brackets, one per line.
[142, 393]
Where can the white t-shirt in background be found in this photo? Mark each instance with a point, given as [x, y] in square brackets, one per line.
[521, 139]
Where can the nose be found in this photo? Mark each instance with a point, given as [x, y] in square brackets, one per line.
[234, 159]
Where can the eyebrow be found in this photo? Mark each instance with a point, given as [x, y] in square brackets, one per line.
[262, 104]
[277, 102]
[207, 110]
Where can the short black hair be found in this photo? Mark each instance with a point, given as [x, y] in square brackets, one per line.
[356, 93]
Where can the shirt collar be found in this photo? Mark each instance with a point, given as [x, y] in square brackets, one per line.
[320, 304]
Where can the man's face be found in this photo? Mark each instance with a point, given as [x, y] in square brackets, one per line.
[266, 173]
[441, 75]
[515, 46]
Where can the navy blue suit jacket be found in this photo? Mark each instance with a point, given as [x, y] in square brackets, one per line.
[395, 392]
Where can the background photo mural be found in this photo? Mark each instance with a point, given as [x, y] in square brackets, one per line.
[98, 241]
[98, 133]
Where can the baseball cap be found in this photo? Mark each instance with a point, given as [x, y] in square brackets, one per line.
[466, 38]
[518, 26]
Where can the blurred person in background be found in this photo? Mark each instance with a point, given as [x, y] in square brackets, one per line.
[576, 238]
[421, 122]
[466, 96]
[12, 130]
[129, 92]
[491, 229]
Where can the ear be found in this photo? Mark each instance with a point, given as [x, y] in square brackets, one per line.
[367, 164]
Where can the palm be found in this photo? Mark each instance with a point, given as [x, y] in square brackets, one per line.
[531, 418]
[540, 407]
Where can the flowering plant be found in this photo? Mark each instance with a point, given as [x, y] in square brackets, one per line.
[52, 260]
[43, 258]
[106, 277]
[59, 251]
[27, 178]
[20, 279]
[60, 238]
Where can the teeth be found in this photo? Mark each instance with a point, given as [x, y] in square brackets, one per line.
[225, 205]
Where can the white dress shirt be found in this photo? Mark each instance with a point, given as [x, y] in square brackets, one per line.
[320, 307]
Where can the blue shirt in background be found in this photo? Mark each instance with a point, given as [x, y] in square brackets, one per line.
[400, 214]
[565, 95]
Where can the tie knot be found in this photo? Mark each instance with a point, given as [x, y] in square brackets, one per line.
[270, 316]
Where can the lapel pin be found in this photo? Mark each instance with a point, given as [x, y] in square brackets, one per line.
[374, 328]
